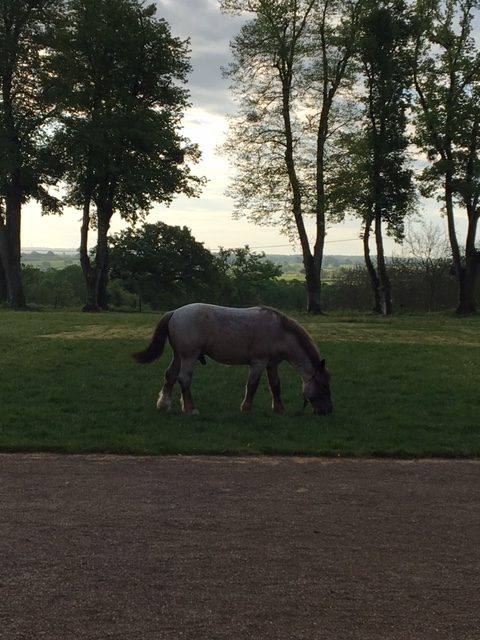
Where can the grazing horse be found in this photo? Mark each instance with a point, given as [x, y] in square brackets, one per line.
[260, 337]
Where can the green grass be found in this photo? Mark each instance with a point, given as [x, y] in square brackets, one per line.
[403, 386]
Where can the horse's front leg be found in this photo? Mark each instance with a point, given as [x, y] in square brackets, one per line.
[254, 376]
[185, 381]
[171, 374]
[274, 384]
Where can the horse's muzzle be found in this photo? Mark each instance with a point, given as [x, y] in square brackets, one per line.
[320, 407]
[323, 408]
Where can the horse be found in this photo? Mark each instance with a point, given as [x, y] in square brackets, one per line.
[260, 337]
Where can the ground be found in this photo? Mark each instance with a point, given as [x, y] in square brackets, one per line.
[107, 547]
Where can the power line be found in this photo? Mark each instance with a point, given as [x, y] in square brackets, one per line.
[275, 246]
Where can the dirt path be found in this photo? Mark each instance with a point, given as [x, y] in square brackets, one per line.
[212, 548]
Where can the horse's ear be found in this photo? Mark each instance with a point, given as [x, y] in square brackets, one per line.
[322, 364]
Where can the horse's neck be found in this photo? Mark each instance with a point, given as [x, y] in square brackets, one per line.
[301, 361]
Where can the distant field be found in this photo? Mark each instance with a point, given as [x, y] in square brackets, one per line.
[292, 265]
[50, 259]
[402, 386]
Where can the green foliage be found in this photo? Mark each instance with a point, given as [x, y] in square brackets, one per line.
[166, 267]
[446, 67]
[69, 385]
[244, 276]
[25, 46]
[383, 46]
[162, 264]
[117, 75]
[369, 175]
[54, 287]
[418, 285]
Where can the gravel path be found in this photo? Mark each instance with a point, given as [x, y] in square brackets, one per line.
[124, 548]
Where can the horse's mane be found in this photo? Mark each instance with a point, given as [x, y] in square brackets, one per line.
[303, 338]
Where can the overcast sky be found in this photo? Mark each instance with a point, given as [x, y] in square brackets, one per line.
[210, 216]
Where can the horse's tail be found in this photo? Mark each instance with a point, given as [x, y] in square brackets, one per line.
[157, 343]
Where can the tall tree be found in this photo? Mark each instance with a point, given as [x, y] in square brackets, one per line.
[119, 80]
[446, 69]
[372, 178]
[291, 63]
[25, 28]
[385, 36]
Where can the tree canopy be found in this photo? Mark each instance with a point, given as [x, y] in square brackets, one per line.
[118, 78]
[159, 262]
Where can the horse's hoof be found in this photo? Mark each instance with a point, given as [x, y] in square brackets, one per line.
[193, 412]
[163, 406]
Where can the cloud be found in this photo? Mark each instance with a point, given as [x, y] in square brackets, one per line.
[201, 21]
[210, 33]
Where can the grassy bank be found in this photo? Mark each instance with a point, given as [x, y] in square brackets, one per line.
[403, 386]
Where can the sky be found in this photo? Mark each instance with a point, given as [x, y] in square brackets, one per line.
[210, 216]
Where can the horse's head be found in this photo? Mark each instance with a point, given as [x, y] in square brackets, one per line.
[316, 390]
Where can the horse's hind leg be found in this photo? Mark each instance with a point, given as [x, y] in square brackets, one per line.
[274, 384]
[171, 374]
[185, 381]
[254, 376]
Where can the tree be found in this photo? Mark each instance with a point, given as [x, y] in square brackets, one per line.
[428, 248]
[291, 62]
[384, 39]
[244, 275]
[159, 262]
[373, 180]
[25, 29]
[446, 69]
[119, 74]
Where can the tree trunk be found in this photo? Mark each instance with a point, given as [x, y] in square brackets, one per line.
[465, 274]
[312, 272]
[466, 301]
[89, 272]
[313, 284]
[13, 194]
[102, 288]
[3, 284]
[468, 278]
[314, 292]
[468, 274]
[96, 275]
[10, 253]
[4, 288]
[472, 256]
[385, 287]
[372, 273]
[101, 261]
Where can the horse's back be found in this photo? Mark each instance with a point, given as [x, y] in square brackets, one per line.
[226, 334]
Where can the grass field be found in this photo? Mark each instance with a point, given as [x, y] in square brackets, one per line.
[402, 386]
